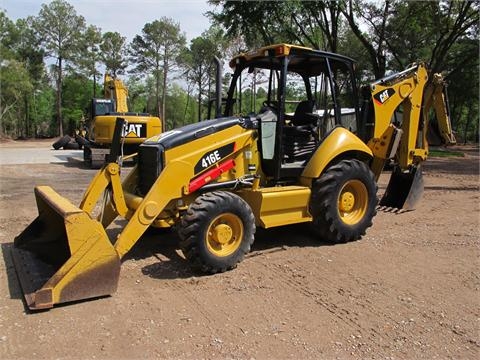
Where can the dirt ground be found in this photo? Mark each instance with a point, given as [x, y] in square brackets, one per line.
[409, 289]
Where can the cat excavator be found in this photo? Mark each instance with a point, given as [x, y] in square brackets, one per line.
[101, 123]
[215, 181]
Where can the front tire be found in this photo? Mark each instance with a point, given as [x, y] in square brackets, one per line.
[217, 231]
[343, 202]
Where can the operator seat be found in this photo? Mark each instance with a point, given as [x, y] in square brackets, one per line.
[299, 137]
[302, 115]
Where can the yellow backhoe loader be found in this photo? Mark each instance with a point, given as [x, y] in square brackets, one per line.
[217, 180]
[101, 123]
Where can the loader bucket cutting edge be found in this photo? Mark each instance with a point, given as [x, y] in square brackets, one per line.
[404, 190]
[63, 255]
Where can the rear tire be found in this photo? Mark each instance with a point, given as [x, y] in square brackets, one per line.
[217, 231]
[81, 141]
[343, 202]
[71, 146]
[61, 142]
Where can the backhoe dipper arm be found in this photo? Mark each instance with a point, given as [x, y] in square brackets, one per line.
[403, 139]
[436, 96]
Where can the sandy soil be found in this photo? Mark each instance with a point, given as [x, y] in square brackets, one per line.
[408, 289]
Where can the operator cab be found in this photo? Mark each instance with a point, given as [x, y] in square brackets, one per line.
[298, 96]
[102, 107]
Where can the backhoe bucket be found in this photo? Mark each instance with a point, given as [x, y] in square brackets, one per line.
[404, 190]
[63, 255]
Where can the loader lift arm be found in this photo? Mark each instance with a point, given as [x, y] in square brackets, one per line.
[108, 176]
[141, 216]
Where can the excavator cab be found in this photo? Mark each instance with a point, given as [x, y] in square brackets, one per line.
[102, 107]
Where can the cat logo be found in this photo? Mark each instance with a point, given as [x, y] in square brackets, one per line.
[382, 97]
[134, 130]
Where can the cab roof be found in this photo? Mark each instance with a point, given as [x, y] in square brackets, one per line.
[303, 60]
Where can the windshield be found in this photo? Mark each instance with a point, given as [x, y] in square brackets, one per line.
[326, 83]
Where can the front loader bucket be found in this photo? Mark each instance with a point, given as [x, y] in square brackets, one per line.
[404, 190]
[63, 255]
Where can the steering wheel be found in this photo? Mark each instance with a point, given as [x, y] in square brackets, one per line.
[271, 105]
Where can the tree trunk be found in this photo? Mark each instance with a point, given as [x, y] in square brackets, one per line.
[164, 90]
[59, 97]
[27, 115]
[157, 98]
[467, 124]
[199, 101]
[186, 105]
[94, 85]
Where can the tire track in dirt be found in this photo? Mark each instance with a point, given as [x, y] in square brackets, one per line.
[320, 289]
[183, 290]
[175, 279]
[342, 304]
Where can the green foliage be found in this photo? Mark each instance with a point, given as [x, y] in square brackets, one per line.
[113, 52]
[157, 51]
[137, 95]
[59, 27]
[16, 88]
[60, 31]
[87, 59]
[8, 36]
[42, 112]
[442, 33]
[180, 108]
[445, 153]
[308, 23]
[198, 65]
[77, 90]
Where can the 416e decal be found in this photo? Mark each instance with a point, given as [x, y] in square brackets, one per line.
[213, 157]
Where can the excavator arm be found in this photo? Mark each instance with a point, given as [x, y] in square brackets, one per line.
[402, 103]
[397, 103]
[115, 89]
[436, 97]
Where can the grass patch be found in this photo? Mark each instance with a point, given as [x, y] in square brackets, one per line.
[445, 153]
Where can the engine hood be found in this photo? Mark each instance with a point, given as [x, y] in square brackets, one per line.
[195, 131]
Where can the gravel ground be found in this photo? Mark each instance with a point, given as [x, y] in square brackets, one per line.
[409, 289]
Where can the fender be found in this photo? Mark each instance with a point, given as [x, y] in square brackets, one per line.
[339, 141]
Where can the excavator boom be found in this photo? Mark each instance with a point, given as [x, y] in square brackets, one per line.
[402, 104]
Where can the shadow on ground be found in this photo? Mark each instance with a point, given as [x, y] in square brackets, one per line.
[171, 264]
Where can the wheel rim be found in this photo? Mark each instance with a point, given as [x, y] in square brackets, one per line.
[224, 235]
[353, 202]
